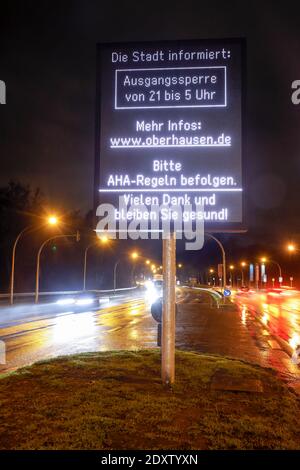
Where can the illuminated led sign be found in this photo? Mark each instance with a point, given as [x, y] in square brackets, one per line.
[169, 126]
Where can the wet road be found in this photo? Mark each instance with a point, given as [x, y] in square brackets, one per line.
[128, 325]
[235, 329]
[278, 310]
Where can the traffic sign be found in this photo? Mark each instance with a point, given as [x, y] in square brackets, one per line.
[227, 292]
[169, 131]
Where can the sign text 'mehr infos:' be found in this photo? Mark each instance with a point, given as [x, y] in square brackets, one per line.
[170, 127]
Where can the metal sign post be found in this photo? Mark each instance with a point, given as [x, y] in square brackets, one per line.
[168, 315]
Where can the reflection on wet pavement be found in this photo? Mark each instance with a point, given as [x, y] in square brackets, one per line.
[236, 330]
[127, 326]
[273, 321]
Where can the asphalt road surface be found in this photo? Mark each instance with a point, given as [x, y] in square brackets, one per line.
[124, 324]
[240, 329]
[277, 309]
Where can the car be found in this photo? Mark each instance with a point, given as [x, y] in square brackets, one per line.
[80, 301]
[244, 289]
[154, 290]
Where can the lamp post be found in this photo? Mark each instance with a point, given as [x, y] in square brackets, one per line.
[231, 268]
[210, 275]
[103, 240]
[291, 248]
[52, 220]
[209, 235]
[265, 260]
[37, 273]
[134, 256]
[243, 264]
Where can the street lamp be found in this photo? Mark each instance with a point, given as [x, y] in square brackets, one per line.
[266, 260]
[291, 248]
[103, 240]
[37, 274]
[231, 268]
[243, 264]
[52, 220]
[133, 256]
[209, 235]
[210, 277]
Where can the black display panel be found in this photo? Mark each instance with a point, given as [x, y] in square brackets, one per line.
[169, 126]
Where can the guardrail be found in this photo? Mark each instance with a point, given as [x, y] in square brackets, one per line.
[68, 292]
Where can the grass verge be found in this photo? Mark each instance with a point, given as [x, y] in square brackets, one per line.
[115, 400]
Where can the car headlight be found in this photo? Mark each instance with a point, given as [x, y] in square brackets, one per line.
[65, 301]
[84, 301]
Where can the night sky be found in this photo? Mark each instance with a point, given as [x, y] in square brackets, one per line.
[48, 61]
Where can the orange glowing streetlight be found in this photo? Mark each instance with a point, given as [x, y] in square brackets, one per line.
[134, 255]
[243, 264]
[291, 248]
[51, 220]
